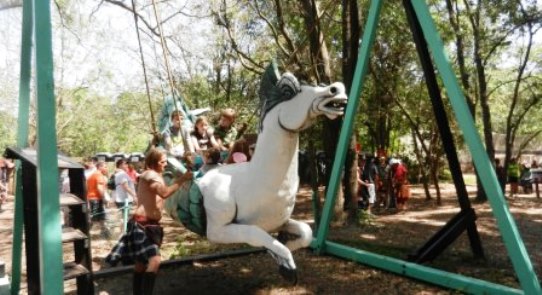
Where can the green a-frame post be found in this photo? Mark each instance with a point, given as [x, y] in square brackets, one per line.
[37, 27]
[511, 237]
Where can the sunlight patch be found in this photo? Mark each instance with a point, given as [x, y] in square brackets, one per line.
[368, 236]
[425, 221]
[245, 270]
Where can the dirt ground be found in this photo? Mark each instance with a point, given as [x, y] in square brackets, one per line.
[387, 233]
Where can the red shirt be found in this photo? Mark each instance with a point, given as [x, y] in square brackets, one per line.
[97, 178]
[400, 173]
[133, 174]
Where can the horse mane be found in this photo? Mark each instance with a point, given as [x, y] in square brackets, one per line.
[275, 89]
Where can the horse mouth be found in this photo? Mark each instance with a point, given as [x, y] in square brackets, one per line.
[333, 107]
[336, 105]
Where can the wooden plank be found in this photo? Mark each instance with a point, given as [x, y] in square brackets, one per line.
[67, 199]
[70, 234]
[73, 270]
[30, 155]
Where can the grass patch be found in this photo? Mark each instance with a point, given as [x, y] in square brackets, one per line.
[470, 179]
[197, 247]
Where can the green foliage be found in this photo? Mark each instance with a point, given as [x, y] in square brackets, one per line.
[394, 100]
[393, 80]
[88, 123]
[470, 179]
[238, 92]
[445, 175]
[8, 130]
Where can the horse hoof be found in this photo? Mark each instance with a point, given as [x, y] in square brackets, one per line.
[289, 275]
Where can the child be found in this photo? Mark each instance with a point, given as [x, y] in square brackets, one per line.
[239, 147]
[211, 158]
[189, 161]
[226, 133]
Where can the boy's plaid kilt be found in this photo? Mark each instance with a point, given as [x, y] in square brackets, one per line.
[139, 243]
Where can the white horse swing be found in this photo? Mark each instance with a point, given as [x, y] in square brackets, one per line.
[244, 203]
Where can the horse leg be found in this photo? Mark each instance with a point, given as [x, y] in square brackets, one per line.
[241, 233]
[301, 231]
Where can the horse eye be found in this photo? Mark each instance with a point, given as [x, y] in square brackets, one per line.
[333, 90]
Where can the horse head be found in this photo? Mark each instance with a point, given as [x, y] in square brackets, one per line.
[299, 105]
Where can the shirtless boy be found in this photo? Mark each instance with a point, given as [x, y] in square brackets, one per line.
[142, 240]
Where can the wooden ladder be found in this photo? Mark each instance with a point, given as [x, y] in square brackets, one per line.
[75, 231]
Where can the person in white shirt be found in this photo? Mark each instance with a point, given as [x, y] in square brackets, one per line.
[124, 185]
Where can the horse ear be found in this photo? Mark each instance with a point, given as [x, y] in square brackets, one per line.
[272, 91]
[289, 86]
[269, 81]
[269, 93]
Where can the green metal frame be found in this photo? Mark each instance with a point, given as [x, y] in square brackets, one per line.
[22, 142]
[512, 239]
[37, 20]
[36, 16]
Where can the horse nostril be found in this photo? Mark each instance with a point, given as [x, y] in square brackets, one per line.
[333, 90]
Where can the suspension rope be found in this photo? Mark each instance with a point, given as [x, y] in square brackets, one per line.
[159, 70]
[153, 127]
[165, 53]
[168, 69]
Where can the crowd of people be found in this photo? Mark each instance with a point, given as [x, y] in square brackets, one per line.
[199, 146]
[515, 175]
[383, 184]
[201, 149]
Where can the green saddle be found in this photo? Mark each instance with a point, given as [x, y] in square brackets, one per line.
[186, 204]
[190, 209]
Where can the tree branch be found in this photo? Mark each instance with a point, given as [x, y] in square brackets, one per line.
[285, 34]
[529, 138]
[521, 71]
[271, 27]
[415, 126]
[223, 21]
[139, 16]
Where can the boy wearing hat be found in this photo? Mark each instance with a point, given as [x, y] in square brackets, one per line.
[225, 133]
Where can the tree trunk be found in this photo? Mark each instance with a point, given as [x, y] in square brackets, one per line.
[351, 183]
[318, 50]
[481, 76]
[483, 96]
[350, 36]
[434, 162]
[421, 170]
[322, 71]
[434, 176]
